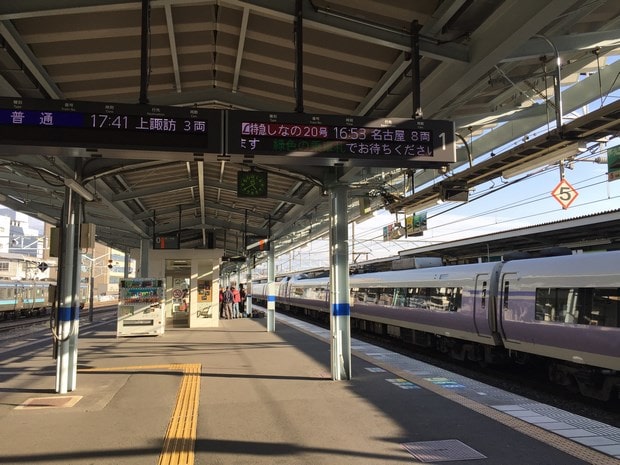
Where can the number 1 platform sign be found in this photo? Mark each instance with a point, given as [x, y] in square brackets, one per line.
[564, 193]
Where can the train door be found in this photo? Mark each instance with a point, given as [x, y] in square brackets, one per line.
[283, 293]
[506, 311]
[482, 305]
[29, 297]
[19, 298]
[485, 305]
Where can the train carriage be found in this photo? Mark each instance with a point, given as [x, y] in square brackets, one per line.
[563, 310]
[25, 298]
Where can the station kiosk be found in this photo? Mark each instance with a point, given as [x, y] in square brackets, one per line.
[141, 307]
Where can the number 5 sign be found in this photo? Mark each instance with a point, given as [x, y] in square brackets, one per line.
[564, 193]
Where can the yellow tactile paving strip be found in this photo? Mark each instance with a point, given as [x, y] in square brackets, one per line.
[181, 433]
[180, 438]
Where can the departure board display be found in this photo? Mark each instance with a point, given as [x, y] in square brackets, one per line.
[105, 125]
[321, 139]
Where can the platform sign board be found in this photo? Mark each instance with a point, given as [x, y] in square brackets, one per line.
[613, 163]
[170, 241]
[564, 193]
[416, 224]
[62, 123]
[339, 140]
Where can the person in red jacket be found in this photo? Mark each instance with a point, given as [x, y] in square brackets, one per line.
[236, 300]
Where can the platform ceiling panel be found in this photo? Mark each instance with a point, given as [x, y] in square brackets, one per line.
[482, 64]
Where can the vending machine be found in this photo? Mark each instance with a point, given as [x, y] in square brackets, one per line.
[141, 307]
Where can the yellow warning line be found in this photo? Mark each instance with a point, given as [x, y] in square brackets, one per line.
[180, 438]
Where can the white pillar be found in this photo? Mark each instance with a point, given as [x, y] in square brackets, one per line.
[248, 288]
[68, 312]
[340, 324]
[271, 290]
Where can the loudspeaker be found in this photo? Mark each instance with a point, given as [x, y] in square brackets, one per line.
[87, 236]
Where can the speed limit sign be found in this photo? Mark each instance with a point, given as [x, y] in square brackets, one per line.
[564, 193]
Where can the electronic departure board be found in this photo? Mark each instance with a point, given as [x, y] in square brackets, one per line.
[109, 125]
[346, 140]
[270, 138]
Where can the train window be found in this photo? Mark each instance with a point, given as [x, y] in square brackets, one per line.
[386, 296]
[605, 307]
[506, 291]
[399, 297]
[446, 299]
[418, 297]
[585, 306]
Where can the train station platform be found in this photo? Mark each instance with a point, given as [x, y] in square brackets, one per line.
[239, 395]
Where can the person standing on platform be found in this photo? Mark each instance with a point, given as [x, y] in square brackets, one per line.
[228, 303]
[221, 302]
[242, 295]
[236, 300]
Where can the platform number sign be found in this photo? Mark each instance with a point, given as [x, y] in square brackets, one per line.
[166, 242]
[564, 193]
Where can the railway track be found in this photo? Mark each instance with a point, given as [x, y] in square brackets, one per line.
[39, 322]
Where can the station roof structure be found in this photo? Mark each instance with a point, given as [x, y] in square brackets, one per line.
[487, 66]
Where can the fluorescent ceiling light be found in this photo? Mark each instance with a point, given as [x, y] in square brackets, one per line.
[415, 208]
[48, 219]
[79, 189]
[537, 162]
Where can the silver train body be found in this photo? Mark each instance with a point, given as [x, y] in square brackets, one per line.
[564, 310]
[25, 298]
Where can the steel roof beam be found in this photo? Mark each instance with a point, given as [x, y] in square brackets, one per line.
[513, 22]
[12, 37]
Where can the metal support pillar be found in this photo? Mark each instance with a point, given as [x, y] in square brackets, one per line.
[248, 288]
[340, 323]
[557, 86]
[271, 290]
[144, 51]
[415, 70]
[91, 289]
[68, 316]
[145, 245]
[126, 264]
[299, 57]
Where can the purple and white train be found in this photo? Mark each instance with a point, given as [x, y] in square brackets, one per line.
[564, 310]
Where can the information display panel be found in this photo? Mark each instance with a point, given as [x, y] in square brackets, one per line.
[109, 125]
[166, 242]
[346, 140]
